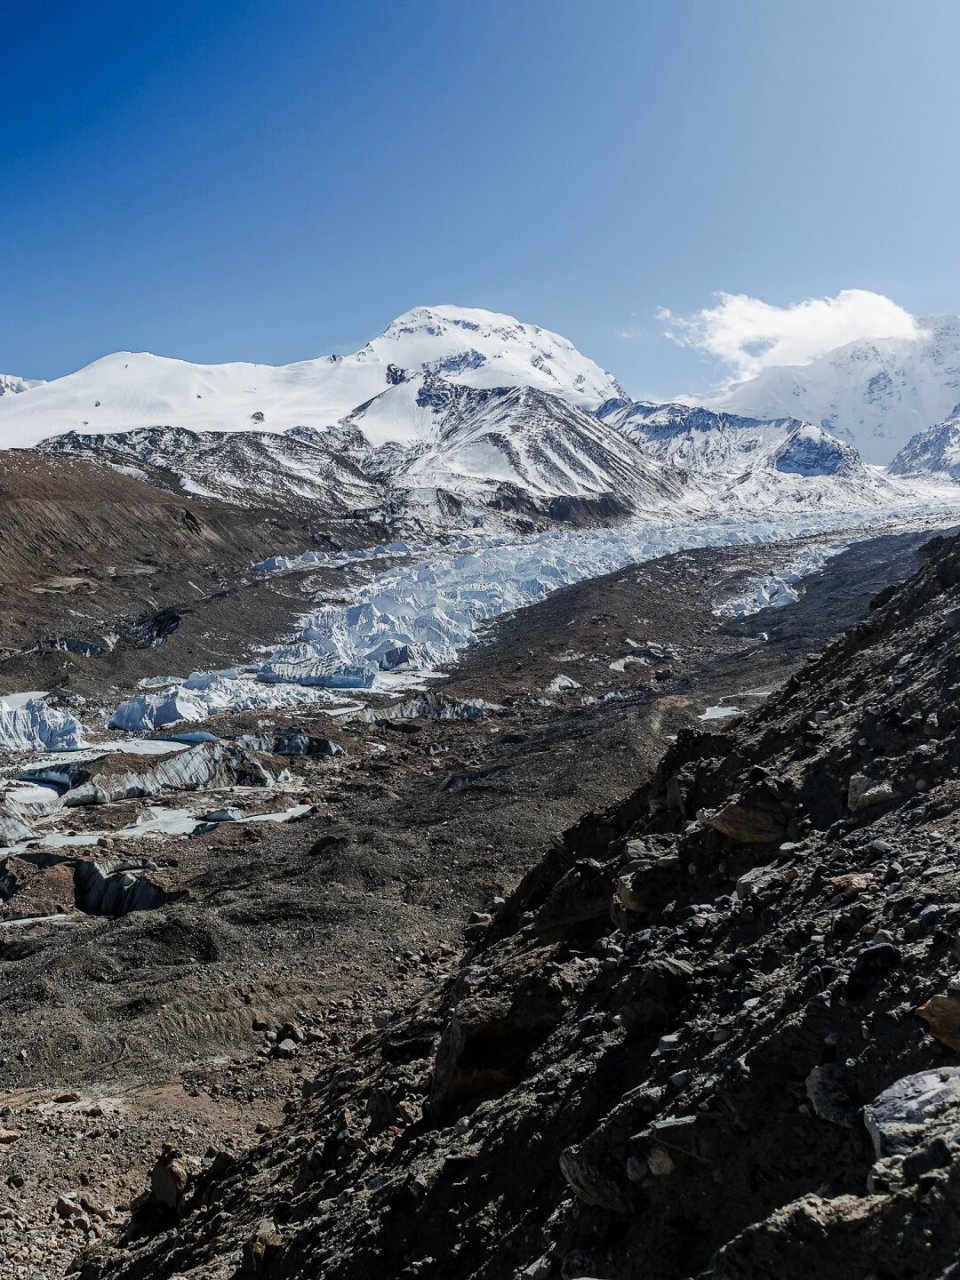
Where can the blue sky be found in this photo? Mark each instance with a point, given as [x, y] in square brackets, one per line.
[272, 181]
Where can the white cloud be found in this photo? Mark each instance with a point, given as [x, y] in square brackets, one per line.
[748, 335]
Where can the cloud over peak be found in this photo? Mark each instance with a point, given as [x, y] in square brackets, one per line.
[748, 335]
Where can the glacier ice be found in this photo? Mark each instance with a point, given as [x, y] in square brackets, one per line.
[32, 725]
[781, 586]
[417, 615]
[206, 694]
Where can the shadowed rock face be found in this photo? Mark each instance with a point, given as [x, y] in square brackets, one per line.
[115, 889]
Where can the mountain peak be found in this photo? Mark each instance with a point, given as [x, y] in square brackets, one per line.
[874, 392]
[466, 345]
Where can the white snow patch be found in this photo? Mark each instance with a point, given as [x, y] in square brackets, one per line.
[720, 713]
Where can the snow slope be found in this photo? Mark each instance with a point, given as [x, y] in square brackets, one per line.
[934, 452]
[876, 393]
[129, 390]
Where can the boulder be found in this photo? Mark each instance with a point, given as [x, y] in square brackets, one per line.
[916, 1109]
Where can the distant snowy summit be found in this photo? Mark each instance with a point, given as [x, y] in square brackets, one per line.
[876, 393]
[11, 385]
[476, 348]
[754, 465]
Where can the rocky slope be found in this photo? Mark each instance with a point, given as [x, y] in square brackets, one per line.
[295, 473]
[106, 578]
[714, 1032]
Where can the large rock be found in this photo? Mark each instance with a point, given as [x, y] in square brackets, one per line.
[915, 1110]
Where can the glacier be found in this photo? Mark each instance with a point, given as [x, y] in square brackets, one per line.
[205, 694]
[404, 623]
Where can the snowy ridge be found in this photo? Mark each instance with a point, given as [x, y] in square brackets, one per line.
[129, 390]
[876, 393]
[935, 452]
[283, 470]
[472, 441]
[732, 463]
[443, 454]
[11, 385]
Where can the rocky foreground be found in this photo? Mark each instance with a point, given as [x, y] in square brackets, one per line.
[714, 1033]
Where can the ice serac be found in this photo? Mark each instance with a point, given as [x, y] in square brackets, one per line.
[934, 452]
[130, 390]
[118, 776]
[35, 726]
[744, 465]
[205, 694]
[875, 393]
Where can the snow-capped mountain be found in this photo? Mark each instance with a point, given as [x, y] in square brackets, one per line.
[494, 444]
[876, 393]
[127, 390]
[11, 385]
[934, 452]
[724, 459]
[424, 443]
[452, 416]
